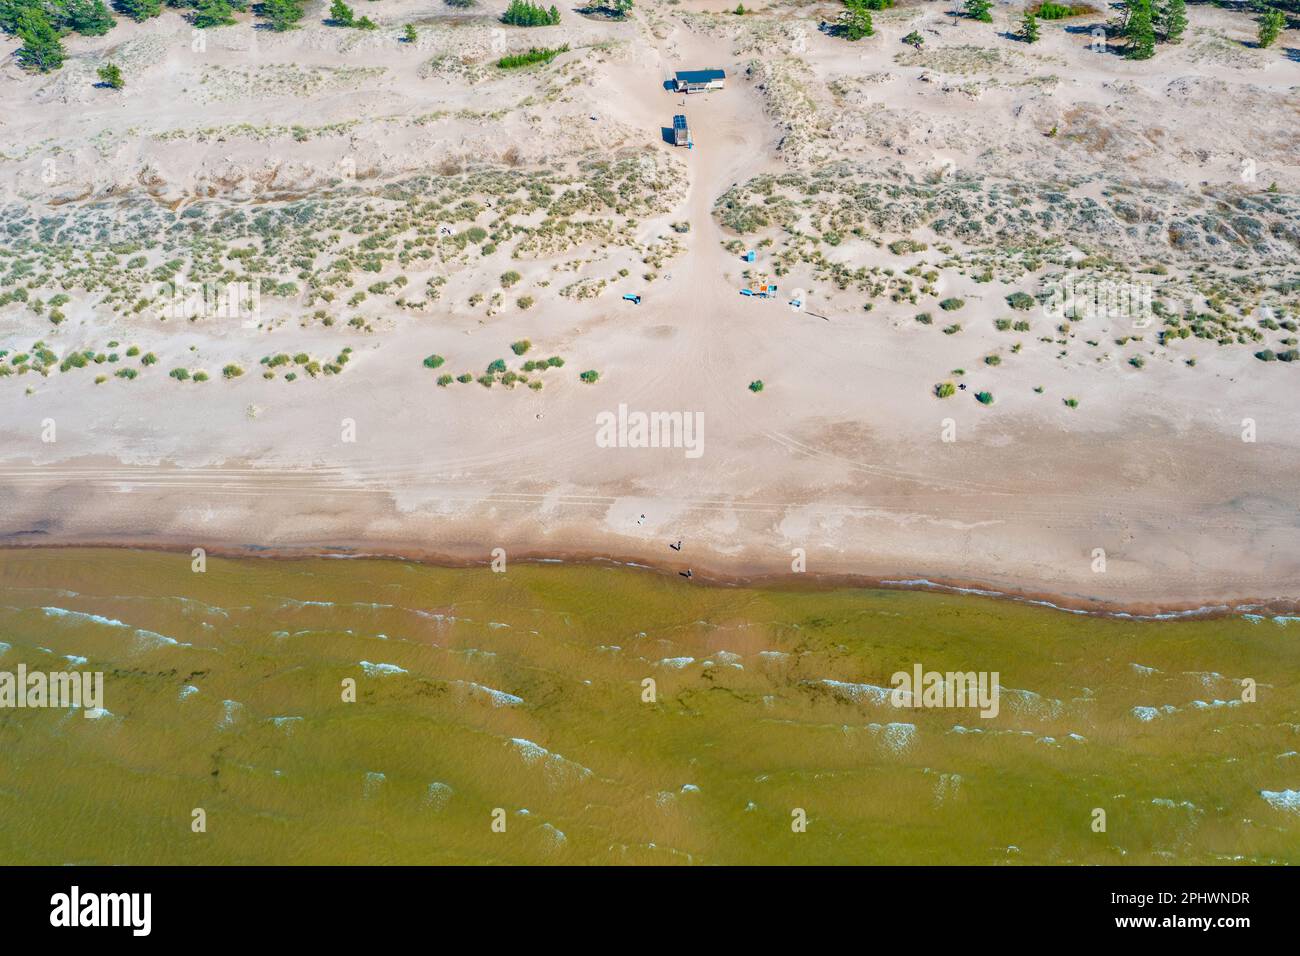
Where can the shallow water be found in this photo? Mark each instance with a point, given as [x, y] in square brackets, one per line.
[523, 691]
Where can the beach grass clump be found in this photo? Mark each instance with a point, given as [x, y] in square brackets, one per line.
[1071, 402]
[952, 304]
[756, 386]
[1021, 301]
[231, 371]
[520, 347]
[984, 398]
[533, 55]
[945, 390]
[434, 361]
[590, 376]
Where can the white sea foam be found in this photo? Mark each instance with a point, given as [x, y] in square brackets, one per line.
[140, 633]
[675, 662]
[437, 795]
[558, 769]
[380, 670]
[871, 693]
[1146, 714]
[230, 711]
[499, 698]
[1282, 799]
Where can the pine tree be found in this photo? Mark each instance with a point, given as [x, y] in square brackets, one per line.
[1029, 28]
[90, 18]
[1271, 23]
[341, 14]
[979, 10]
[281, 15]
[213, 13]
[554, 16]
[409, 34]
[41, 49]
[1139, 31]
[1173, 21]
[140, 10]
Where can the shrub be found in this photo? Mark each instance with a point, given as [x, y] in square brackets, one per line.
[434, 361]
[951, 305]
[509, 278]
[1071, 402]
[924, 318]
[984, 398]
[756, 385]
[524, 302]
[231, 371]
[952, 329]
[992, 360]
[534, 55]
[444, 380]
[1020, 300]
[497, 365]
[180, 374]
[589, 376]
[111, 76]
[945, 390]
[520, 347]
[1267, 355]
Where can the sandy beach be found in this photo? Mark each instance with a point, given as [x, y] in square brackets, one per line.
[1169, 483]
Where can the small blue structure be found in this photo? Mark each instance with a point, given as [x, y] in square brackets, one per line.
[749, 255]
[632, 297]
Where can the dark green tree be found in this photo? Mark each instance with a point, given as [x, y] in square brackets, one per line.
[139, 10]
[41, 49]
[1139, 31]
[914, 40]
[1173, 21]
[1029, 28]
[979, 10]
[855, 21]
[281, 15]
[409, 34]
[213, 13]
[90, 18]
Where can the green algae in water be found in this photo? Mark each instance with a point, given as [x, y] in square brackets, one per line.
[523, 691]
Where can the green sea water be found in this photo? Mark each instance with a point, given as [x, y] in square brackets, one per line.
[523, 693]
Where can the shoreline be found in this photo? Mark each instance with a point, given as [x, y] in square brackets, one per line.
[1275, 607]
